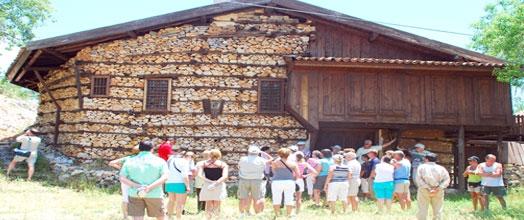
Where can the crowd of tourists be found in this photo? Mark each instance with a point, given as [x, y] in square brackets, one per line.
[330, 176]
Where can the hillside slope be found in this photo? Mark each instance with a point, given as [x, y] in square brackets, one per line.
[16, 115]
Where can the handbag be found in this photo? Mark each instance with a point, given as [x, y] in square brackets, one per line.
[22, 153]
[297, 187]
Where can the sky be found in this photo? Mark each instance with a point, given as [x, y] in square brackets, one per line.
[71, 16]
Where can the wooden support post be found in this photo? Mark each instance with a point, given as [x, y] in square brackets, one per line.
[58, 108]
[79, 88]
[461, 159]
[500, 148]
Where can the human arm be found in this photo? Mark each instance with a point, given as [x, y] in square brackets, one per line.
[312, 170]
[117, 163]
[225, 173]
[266, 156]
[389, 143]
[466, 172]
[444, 179]
[328, 178]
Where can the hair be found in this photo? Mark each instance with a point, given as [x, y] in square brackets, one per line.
[389, 153]
[317, 154]
[284, 152]
[215, 154]
[326, 153]
[266, 148]
[145, 146]
[386, 159]
[368, 141]
[349, 149]
[205, 154]
[338, 159]
[365, 156]
[399, 153]
[189, 153]
[300, 157]
[431, 157]
[490, 156]
[351, 155]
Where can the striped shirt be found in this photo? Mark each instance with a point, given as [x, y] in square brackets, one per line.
[340, 174]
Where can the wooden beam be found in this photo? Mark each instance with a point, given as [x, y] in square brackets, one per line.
[322, 65]
[132, 34]
[461, 159]
[373, 36]
[500, 147]
[29, 64]
[58, 108]
[41, 68]
[56, 54]
[79, 88]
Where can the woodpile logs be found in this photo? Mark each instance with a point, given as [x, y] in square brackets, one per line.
[220, 61]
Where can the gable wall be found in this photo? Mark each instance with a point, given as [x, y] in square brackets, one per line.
[219, 61]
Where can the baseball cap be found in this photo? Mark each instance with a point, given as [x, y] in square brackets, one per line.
[253, 149]
[338, 147]
[475, 158]
[301, 143]
[420, 145]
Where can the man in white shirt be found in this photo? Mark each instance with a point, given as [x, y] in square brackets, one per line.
[368, 146]
[354, 182]
[432, 179]
[29, 143]
[251, 182]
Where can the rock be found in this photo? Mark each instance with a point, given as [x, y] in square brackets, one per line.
[64, 177]
[77, 172]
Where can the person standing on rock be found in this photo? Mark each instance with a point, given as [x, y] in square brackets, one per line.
[30, 144]
[144, 174]
[118, 163]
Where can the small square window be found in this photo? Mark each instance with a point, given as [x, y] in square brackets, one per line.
[100, 86]
[158, 95]
[271, 95]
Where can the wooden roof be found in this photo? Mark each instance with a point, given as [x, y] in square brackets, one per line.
[50, 53]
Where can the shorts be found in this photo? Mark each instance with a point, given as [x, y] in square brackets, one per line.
[31, 160]
[176, 188]
[354, 185]
[154, 207]
[320, 182]
[383, 190]
[474, 187]
[125, 192]
[284, 188]
[495, 190]
[364, 185]
[255, 188]
[402, 187]
[300, 184]
[337, 191]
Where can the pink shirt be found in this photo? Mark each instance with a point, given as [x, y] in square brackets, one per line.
[313, 162]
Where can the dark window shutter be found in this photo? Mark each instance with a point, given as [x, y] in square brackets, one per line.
[271, 96]
[157, 98]
[100, 86]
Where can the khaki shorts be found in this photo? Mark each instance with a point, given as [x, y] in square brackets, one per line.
[364, 185]
[354, 185]
[255, 188]
[154, 206]
[31, 160]
[402, 187]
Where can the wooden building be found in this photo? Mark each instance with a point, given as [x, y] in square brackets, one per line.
[234, 73]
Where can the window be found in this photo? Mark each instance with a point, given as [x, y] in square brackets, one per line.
[158, 95]
[100, 86]
[270, 96]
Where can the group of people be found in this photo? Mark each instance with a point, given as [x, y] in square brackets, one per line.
[336, 174]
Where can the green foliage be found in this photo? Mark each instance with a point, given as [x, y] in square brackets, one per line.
[500, 33]
[14, 91]
[18, 18]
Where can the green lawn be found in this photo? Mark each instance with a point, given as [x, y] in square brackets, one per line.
[45, 199]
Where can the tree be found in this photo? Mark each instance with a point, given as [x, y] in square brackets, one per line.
[18, 18]
[500, 33]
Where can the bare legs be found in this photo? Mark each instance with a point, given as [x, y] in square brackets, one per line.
[30, 169]
[353, 200]
[213, 209]
[298, 196]
[403, 200]
[476, 199]
[316, 197]
[380, 204]
[124, 210]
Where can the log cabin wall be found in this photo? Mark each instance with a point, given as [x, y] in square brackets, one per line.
[331, 40]
[416, 97]
[220, 60]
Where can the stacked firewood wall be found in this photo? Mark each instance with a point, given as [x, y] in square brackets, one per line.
[222, 60]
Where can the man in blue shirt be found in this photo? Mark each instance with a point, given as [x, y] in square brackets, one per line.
[401, 177]
[373, 161]
[144, 174]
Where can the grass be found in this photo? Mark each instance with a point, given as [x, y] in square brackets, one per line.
[46, 198]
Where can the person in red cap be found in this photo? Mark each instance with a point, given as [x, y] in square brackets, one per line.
[166, 149]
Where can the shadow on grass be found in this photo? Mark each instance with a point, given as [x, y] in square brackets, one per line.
[45, 176]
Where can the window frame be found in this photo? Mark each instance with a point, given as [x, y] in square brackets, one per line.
[108, 86]
[169, 91]
[282, 95]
